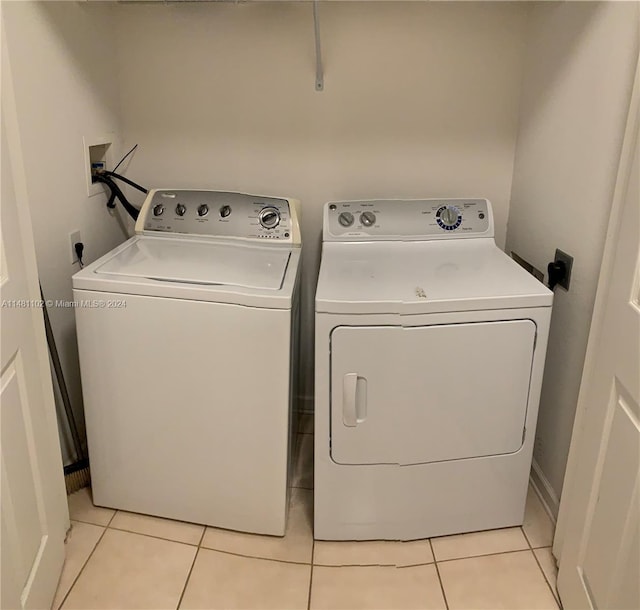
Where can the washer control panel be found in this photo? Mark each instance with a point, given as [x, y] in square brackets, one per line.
[407, 219]
[219, 214]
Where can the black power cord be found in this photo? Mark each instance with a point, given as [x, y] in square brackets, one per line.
[557, 271]
[107, 178]
[135, 185]
[123, 158]
[79, 248]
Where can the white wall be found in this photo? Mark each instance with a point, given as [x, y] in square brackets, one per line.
[578, 77]
[63, 63]
[420, 99]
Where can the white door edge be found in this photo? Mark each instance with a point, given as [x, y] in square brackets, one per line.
[604, 280]
[33, 550]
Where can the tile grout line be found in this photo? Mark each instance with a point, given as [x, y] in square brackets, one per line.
[555, 595]
[75, 580]
[195, 544]
[435, 563]
[414, 565]
[423, 563]
[193, 563]
[373, 565]
[199, 544]
[115, 512]
[295, 563]
[524, 533]
[204, 531]
[484, 555]
[526, 538]
[186, 582]
[313, 549]
[91, 522]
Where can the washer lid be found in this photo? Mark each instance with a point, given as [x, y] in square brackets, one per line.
[200, 262]
[196, 269]
[423, 277]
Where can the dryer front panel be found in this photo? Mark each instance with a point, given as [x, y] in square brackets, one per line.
[414, 395]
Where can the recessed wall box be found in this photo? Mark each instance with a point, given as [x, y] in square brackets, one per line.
[97, 155]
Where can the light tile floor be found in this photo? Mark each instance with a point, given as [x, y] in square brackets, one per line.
[119, 560]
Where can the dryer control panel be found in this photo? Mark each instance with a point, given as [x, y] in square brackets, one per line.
[219, 214]
[407, 219]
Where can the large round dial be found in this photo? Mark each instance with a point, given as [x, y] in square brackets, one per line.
[225, 210]
[345, 219]
[269, 217]
[448, 217]
[158, 210]
[368, 219]
[203, 210]
[180, 209]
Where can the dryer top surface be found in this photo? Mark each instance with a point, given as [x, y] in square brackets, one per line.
[423, 277]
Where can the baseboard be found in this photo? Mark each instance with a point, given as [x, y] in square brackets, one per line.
[545, 492]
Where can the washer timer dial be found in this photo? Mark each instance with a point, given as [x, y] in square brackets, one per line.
[448, 217]
[269, 217]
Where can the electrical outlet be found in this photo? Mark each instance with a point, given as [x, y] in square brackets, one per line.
[74, 238]
[568, 264]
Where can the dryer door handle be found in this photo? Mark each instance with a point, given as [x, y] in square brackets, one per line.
[354, 399]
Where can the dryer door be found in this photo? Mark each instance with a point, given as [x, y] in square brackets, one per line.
[412, 395]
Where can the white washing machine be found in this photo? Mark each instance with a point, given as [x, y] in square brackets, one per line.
[430, 346]
[187, 334]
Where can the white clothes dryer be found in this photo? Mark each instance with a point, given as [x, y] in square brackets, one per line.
[430, 347]
[187, 334]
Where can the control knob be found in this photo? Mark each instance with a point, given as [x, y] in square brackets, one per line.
[345, 219]
[158, 210]
[203, 210]
[269, 217]
[368, 219]
[449, 217]
[225, 210]
[180, 209]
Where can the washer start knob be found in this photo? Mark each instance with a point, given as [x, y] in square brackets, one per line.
[269, 217]
[225, 210]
